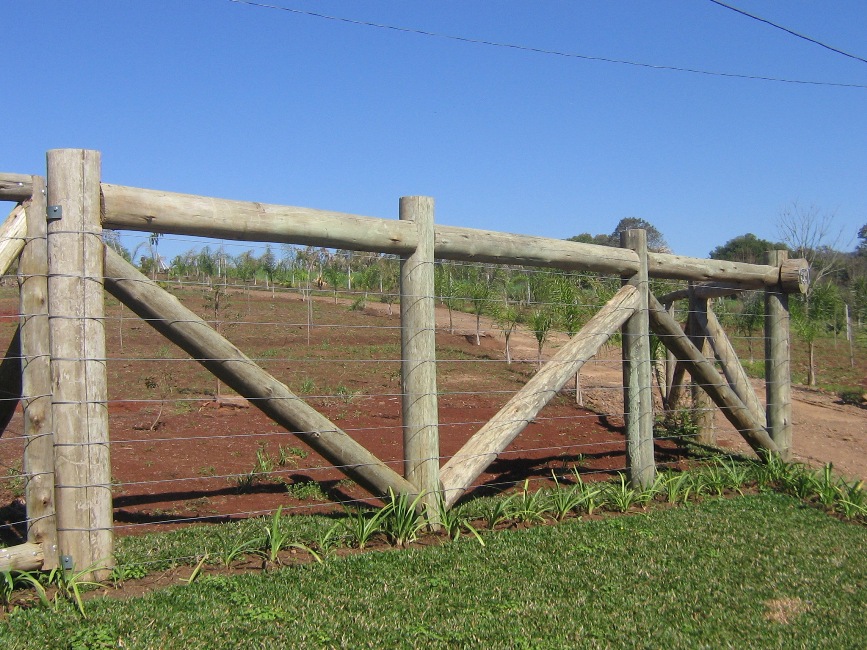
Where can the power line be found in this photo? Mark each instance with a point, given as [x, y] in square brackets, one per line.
[537, 50]
[787, 30]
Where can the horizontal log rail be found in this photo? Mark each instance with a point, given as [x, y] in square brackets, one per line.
[145, 210]
[16, 187]
[23, 557]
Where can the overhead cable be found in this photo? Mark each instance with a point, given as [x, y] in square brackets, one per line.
[537, 50]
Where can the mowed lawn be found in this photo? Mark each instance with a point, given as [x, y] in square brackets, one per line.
[760, 571]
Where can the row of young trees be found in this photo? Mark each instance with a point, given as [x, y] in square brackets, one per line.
[543, 300]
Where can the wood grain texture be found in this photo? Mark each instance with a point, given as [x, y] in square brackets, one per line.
[778, 371]
[15, 187]
[36, 380]
[418, 355]
[638, 371]
[78, 372]
[23, 557]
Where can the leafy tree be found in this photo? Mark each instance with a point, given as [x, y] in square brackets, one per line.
[477, 292]
[508, 316]
[655, 240]
[541, 322]
[745, 248]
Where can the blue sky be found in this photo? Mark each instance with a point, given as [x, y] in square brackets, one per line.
[225, 99]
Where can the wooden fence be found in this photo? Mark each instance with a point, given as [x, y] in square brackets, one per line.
[64, 267]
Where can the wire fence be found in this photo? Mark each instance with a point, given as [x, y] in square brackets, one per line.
[185, 449]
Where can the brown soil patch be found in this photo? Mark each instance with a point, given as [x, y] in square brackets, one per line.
[179, 455]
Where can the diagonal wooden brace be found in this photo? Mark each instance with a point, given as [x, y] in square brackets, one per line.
[704, 373]
[489, 441]
[185, 329]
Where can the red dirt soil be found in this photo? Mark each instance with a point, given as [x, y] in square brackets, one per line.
[176, 462]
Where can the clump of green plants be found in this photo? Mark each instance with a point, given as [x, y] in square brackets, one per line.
[454, 521]
[306, 491]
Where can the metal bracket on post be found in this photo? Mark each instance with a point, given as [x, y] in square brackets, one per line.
[54, 213]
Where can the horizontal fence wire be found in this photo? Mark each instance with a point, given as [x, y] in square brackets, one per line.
[185, 449]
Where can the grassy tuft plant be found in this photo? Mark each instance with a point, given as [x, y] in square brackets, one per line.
[621, 495]
[565, 500]
[362, 525]
[402, 520]
[70, 584]
[677, 486]
[454, 521]
[277, 539]
[499, 511]
[530, 507]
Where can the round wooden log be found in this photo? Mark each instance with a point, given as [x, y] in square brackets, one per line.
[778, 375]
[12, 234]
[677, 267]
[167, 315]
[471, 245]
[15, 187]
[418, 356]
[483, 447]
[36, 380]
[794, 276]
[78, 367]
[638, 372]
[23, 557]
[732, 368]
[129, 208]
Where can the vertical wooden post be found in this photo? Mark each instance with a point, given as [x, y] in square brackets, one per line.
[78, 372]
[701, 402]
[36, 380]
[778, 377]
[418, 354]
[637, 372]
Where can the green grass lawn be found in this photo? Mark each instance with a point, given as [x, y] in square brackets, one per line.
[756, 571]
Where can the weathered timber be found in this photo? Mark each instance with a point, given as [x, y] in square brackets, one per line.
[708, 290]
[23, 557]
[36, 380]
[15, 187]
[702, 406]
[637, 371]
[129, 208]
[489, 441]
[418, 356]
[78, 368]
[703, 372]
[678, 267]
[731, 366]
[778, 376]
[12, 234]
[185, 329]
[471, 245]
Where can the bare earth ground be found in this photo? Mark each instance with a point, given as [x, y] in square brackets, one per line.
[177, 453]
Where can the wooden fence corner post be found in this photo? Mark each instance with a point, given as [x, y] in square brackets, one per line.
[778, 378]
[638, 372]
[78, 366]
[36, 381]
[418, 356]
